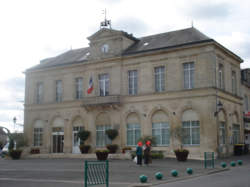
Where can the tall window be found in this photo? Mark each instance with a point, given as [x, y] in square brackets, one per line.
[39, 93]
[236, 134]
[188, 75]
[160, 79]
[133, 134]
[234, 85]
[58, 91]
[132, 82]
[104, 84]
[222, 133]
[221, 76]
[38, 133]
[191, 128]
[161, 133]
[246, 103]
[79, 88]
[38, 136]
[101, 137]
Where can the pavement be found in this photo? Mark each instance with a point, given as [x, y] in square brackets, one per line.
[123, 173]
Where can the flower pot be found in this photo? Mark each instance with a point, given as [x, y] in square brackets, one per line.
[112, 148]
[102, 155]
[84, 148]
[181, 155]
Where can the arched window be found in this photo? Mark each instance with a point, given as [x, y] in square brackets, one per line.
[38, 133]
[133, 129]
[77, 126]
[102, 124]
[160, 128]
[235, 129]
[191, 128]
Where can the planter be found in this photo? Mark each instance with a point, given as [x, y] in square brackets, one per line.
[84, 148]
[112, 148]
[181, 155]
[102, 155]
[15, 154]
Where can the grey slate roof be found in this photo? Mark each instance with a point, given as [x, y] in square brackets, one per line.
[154, 42]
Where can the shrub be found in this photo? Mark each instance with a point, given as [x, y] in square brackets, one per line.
[112, 133]
[102, 150]
[84, 148]
[83, 135]
[157, 155]
[15, 154]
[11, 144]
[127, 148]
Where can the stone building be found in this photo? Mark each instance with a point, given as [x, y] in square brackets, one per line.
[141, 86]
[245, 81]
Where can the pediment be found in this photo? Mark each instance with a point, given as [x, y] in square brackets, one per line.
[104, 33]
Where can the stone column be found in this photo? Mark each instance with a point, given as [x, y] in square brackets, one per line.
[67, 137]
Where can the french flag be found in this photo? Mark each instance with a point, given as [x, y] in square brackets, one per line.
[91, 87]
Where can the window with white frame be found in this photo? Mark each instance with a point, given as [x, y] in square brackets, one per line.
[101, 137]
[104, 84]
[222, 133]
[160, 79]
[38, 133]
[132, 82]
[236, 134]
[161, 133]
[190, 128]
[133, 134]
[39, 92]
[188, 75]
[234, 84]
[221, 76]
[79, 87]
[58, 91]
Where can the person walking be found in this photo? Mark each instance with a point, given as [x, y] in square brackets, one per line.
[139, 153]
[147, 153]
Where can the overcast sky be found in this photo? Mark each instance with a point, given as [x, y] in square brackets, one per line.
[31, 30]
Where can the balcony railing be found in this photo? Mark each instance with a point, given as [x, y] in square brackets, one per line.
[101, 100]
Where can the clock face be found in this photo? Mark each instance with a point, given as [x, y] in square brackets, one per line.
[105, 48]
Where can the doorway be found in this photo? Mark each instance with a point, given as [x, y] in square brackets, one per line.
[58, 140]
[76, 140]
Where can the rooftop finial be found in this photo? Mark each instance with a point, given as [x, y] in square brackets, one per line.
[105, 23]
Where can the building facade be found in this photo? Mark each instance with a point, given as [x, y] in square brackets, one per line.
[139, 86]
[245, 82]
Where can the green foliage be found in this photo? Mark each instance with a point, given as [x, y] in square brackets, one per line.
[11, 144]
[144, 139]
[102, 151]
[19, 139]
[112, 133]
[83, 135]
[154, 154]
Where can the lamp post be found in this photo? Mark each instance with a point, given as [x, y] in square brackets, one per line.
[15, 122]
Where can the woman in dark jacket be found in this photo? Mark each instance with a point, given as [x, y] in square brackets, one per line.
[139, 153]
[147, 153]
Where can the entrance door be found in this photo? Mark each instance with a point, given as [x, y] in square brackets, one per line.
[58, 140]
[76, 140]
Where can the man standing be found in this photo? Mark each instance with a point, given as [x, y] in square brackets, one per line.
[139, 153]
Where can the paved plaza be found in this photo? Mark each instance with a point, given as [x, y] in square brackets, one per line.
[70, 172]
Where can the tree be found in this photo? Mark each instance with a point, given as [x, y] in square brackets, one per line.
[112, 133]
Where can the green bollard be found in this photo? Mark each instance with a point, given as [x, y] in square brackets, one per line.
[189, 171]
[223, 164]
[143, 178]
[174, 173]
[158, 175]
[233, 164]
[240, 162]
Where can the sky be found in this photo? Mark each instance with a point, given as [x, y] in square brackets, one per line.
[32, 30]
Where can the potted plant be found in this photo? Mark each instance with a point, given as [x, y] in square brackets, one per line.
[180, 153]
[83, 135]
[126, 149]
[112, 134]
[102, 154]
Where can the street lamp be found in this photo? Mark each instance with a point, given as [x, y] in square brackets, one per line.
[15, 122]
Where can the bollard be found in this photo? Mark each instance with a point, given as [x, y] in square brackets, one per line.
[174, 173]
[240, 162]
[233, 164]
[189, 171]
[158, 175]
[143, 178]
[223, 164]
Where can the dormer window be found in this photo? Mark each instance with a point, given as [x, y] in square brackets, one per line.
[105, 48]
